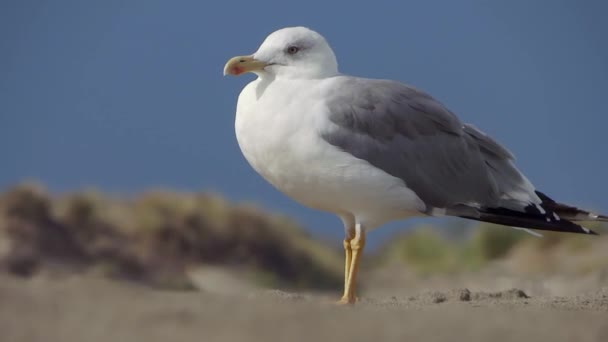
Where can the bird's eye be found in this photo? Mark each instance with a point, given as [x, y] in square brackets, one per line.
[292, 50]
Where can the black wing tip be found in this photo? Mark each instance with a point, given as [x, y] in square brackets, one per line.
[566, 211]
[547, 221]
[587, 230]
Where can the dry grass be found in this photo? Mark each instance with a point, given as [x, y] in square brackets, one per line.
[427, 250]
[156, 237]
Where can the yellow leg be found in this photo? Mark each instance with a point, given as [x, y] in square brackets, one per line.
[348, 256]
[356, 249]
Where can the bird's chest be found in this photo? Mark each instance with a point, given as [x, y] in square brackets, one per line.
[278, 137]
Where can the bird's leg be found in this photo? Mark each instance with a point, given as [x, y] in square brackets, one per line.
[348, 256]
[356, 246]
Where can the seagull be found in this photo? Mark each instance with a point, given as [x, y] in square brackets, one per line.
[373, 151]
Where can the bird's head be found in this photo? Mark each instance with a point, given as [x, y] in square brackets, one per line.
[293, 52]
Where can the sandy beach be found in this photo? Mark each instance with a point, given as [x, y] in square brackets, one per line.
[87, 308]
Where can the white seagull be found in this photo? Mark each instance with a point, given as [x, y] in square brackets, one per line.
[373, 151]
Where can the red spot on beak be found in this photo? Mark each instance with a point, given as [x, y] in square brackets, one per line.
[236, 70]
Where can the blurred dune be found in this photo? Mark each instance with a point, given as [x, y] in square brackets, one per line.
[157, 238]
[171, 240]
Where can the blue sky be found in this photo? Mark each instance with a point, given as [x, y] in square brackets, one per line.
[129, 95]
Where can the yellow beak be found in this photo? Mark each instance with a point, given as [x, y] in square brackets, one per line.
[242, 64]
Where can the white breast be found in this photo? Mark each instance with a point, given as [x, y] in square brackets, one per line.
[278, 133]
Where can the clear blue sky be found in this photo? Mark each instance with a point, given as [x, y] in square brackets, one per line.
[129, 95]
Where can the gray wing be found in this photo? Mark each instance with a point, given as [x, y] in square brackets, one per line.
[409, 135]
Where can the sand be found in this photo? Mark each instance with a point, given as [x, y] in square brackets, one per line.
[88, 308]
